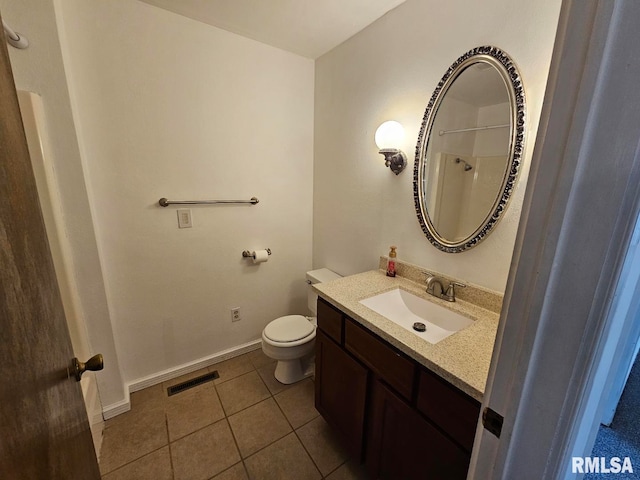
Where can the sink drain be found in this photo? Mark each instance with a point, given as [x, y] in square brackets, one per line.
[419, 327]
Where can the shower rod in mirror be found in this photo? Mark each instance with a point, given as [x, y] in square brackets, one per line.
[163, 202]
[472, 129]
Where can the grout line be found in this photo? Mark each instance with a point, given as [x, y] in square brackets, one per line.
[132, 461]
[138, 457]
[248, 406]
[166, 423]
[226, 470]
[337, 468]
[266, 446]
[282, 411]
[297, 436]
[195, 431]
[222, 382]
[274, 441]
[233, 435]
[221, 357]
[295, 432]
[226, 419]
[204, 426]
[235, 441]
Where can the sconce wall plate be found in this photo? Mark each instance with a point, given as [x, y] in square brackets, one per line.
[395, 159]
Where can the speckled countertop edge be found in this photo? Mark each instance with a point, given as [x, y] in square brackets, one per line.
[462, 359]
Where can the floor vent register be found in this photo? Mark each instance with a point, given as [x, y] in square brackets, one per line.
[194, 382]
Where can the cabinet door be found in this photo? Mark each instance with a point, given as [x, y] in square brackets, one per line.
[340, 390]
[453, 411]
[403, 445]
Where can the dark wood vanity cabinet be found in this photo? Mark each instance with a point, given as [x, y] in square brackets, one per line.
[341, 389]
[403, 444]
[402, 420]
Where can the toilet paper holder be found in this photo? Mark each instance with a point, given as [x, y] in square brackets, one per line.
[248, 254]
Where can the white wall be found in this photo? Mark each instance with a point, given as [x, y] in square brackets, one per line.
[69, 224]
[495, 141]
[170, 107]
[388, 71]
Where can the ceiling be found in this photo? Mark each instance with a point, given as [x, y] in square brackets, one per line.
[306, 27]
[480, 85]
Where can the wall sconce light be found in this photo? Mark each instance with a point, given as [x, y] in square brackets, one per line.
[388, 137]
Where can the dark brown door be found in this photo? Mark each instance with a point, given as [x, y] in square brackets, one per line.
[44, 432]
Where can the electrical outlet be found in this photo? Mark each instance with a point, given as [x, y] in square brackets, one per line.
[235, 314]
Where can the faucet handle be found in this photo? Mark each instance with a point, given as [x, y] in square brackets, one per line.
[451, 292]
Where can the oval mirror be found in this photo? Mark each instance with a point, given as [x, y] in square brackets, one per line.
[469, 149]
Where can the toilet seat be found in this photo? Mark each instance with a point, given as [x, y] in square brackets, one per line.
[289, 330]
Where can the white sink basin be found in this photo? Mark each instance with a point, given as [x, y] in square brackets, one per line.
[404, 309]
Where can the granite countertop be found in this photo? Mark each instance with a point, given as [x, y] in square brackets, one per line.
[462, 359]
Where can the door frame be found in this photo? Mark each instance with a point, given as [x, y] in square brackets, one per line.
[626, 341]
[613, 359]
[583, 188]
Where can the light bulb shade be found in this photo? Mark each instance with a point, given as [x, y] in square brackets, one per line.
[389, 135]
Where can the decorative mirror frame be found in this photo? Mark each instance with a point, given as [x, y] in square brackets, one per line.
[513, 83]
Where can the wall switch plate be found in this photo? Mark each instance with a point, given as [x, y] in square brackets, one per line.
[184, 218]
[235, 314]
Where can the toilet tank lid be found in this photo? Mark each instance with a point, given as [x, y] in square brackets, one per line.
[322, 275]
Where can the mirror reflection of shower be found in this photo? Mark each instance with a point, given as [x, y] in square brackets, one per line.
[467, 167]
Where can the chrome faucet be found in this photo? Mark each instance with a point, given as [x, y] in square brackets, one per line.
[435, 287]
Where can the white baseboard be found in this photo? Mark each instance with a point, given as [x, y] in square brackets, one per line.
[124, 405]
[117, 408]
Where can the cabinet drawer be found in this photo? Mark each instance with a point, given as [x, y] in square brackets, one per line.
[329, 320]
[395, 369]
[449, 408]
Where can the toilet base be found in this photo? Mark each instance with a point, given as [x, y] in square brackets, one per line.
[292, 371]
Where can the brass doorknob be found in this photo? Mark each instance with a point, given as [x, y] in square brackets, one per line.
[94, 364]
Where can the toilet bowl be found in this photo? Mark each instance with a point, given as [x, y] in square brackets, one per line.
[290, 339]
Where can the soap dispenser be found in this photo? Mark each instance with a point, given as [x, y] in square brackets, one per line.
[391, 262]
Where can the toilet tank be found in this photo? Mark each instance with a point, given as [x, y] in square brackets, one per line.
[318, 276]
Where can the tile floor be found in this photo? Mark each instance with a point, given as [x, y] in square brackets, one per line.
[243, 425]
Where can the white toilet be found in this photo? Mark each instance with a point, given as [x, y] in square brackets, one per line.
[290, 339]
